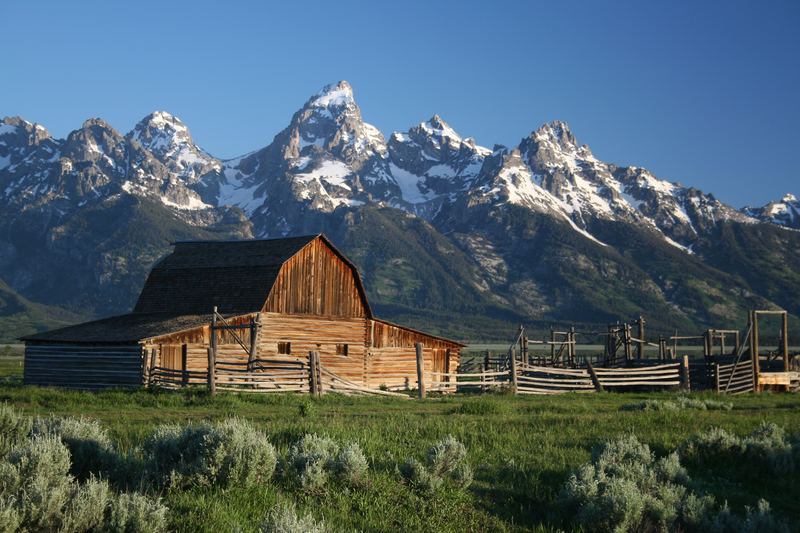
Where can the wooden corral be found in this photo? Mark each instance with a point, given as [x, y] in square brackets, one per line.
[231, 312]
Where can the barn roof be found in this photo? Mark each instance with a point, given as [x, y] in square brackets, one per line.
[128, 328]
[235, 276]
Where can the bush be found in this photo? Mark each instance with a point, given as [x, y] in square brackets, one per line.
[679, 404]
[231, 453]
[89, 444]
[445, 461]
[351, 466]
[625, 488]
[37, 493]
[313, 459]
[135, 513]
[284, 519]
[767, 446]
[14, 428]
[36, 477]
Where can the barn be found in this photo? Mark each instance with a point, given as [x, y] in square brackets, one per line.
[267, 314]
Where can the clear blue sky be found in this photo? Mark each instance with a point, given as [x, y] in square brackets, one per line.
[705, 93]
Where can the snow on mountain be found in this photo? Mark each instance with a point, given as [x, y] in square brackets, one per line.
[785, 212]
[431, 163]
[169, 140]
[329, 158]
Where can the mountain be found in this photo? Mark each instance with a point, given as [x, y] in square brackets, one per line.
[459, 238]
[785, 212]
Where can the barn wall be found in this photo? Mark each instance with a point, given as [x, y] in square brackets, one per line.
[316, 281]
[392, 358]
[310, 333]
[79, 366]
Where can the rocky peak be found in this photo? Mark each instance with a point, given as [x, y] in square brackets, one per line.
[160, 132]
[170, 141]
[785, 212]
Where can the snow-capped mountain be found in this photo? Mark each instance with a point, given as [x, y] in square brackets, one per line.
[785, 212]
[521, 227]
[169, 140]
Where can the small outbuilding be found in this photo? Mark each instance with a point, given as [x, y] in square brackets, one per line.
[241, 306]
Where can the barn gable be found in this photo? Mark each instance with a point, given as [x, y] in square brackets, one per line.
[318, 280]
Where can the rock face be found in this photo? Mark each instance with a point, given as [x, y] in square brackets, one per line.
[443, 228]
[785, 212]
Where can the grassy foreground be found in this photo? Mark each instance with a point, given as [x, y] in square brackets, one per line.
[522, 450]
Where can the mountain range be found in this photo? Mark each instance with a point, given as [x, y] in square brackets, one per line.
[458, 238]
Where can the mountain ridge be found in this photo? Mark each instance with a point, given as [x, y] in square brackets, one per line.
[329, 169]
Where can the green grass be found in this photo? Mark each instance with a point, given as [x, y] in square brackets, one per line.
[522, 449]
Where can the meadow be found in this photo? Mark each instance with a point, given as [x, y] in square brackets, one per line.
[522, 451]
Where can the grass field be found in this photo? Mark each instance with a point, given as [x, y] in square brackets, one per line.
[522, 450]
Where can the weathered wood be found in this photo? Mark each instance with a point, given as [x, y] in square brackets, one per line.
[312, 364]
[420, 371]
[513, 370]
[685, 384]
[597, 384]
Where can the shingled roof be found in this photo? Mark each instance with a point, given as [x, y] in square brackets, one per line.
[235, 276]
[126, 329]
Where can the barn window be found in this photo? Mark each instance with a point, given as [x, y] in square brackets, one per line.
[341, 349]
[284, 348]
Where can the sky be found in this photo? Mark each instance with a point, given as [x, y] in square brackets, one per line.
[704, 93]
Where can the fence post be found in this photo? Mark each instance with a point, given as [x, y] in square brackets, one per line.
[513, 370]
[212, 355]
[212, 383]
[185, 364]
[685, 383]
[596, 381]
[716, 377]
[318, 361]
[145, 367]
[254, 331]
[420, 372]
[153, 355]
[312, 370]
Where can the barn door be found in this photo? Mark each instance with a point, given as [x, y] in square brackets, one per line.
[439, 360]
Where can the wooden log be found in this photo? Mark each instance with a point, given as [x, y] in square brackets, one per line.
[312, 365]
[513, 370]
[318, 364]
[685, 383]
[420, 371]
[597, 385]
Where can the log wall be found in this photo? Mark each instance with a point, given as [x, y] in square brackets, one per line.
[78, 366]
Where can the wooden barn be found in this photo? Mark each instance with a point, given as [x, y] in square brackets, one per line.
[291, 314]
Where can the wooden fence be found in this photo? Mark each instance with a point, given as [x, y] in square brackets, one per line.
[734, 378]
[531, 379]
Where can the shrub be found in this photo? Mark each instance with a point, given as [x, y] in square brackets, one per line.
[36, 476]
[680, 403]
[135, 513]
[445, 461]
[313, 459]
[351, 466]
[625, 488]
[229, 453]
[14, 428]
[284, 519]
[767, 446]
[87, 506]
[89, 444]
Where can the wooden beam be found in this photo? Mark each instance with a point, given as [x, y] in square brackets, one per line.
[420, 371]
[513, 370]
